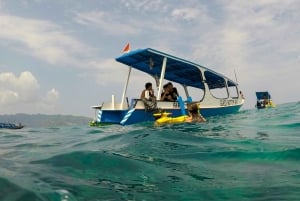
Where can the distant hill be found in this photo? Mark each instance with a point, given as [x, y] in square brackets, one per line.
[43, 120]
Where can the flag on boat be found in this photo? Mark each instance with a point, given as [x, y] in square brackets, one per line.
[126, 48]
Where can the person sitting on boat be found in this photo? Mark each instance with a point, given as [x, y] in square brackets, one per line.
[148, 92]
[259, 104]
[170, 93]
[173, 91]
[242, 95]
[148, 97]
[194, 113]
[266, 100]
[166, 95]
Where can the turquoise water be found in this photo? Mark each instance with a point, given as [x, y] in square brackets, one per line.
[252, 155]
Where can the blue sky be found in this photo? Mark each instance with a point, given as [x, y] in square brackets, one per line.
[58, 57]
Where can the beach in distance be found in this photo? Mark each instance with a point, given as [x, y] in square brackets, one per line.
[251, 155]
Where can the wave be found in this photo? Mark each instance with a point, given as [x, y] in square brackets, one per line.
[251, 155]
[11, 191]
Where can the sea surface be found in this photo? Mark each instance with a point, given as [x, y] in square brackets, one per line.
[252, 155]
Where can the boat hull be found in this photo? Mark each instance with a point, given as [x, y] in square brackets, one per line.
[265, 107]
[139, 115]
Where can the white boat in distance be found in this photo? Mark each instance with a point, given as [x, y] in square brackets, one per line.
[167, 68]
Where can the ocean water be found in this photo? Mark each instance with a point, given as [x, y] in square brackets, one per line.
[252, 155]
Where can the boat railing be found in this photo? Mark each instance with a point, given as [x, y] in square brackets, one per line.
[139, 104]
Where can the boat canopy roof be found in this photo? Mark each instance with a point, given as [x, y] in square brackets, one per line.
[262, 95]
[178, 70]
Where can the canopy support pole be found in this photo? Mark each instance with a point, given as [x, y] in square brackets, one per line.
[162, 76]
[125, 88]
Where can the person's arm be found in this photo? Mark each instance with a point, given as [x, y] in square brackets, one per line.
[163, 96]
[143, 94]
[152, 93]
[202, 118]
[147, 94]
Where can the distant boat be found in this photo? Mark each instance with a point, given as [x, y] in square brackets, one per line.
[163, 68]
[11, 125]
[263, 100]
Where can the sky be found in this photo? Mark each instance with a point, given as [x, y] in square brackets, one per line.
[58, 56]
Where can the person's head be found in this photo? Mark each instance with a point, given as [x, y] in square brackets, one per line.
[165, 87]
[148, 85]
[170, 86]
[193, 108]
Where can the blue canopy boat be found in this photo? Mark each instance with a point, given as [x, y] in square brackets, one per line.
[206, 84]
[263, 100]
[11, 125]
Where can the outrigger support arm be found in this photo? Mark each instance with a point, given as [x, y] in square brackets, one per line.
[162, 76]
[125, 88]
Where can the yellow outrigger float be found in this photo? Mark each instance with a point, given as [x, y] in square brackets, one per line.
[165, 118]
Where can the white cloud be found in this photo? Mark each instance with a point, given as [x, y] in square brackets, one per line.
[104, 21]
[108, 72]
[22, 94]
[145, 5]
[22, 88]
[186, 13]
[49, 103]
[52, 95]
[8, 96]
[42, 39]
